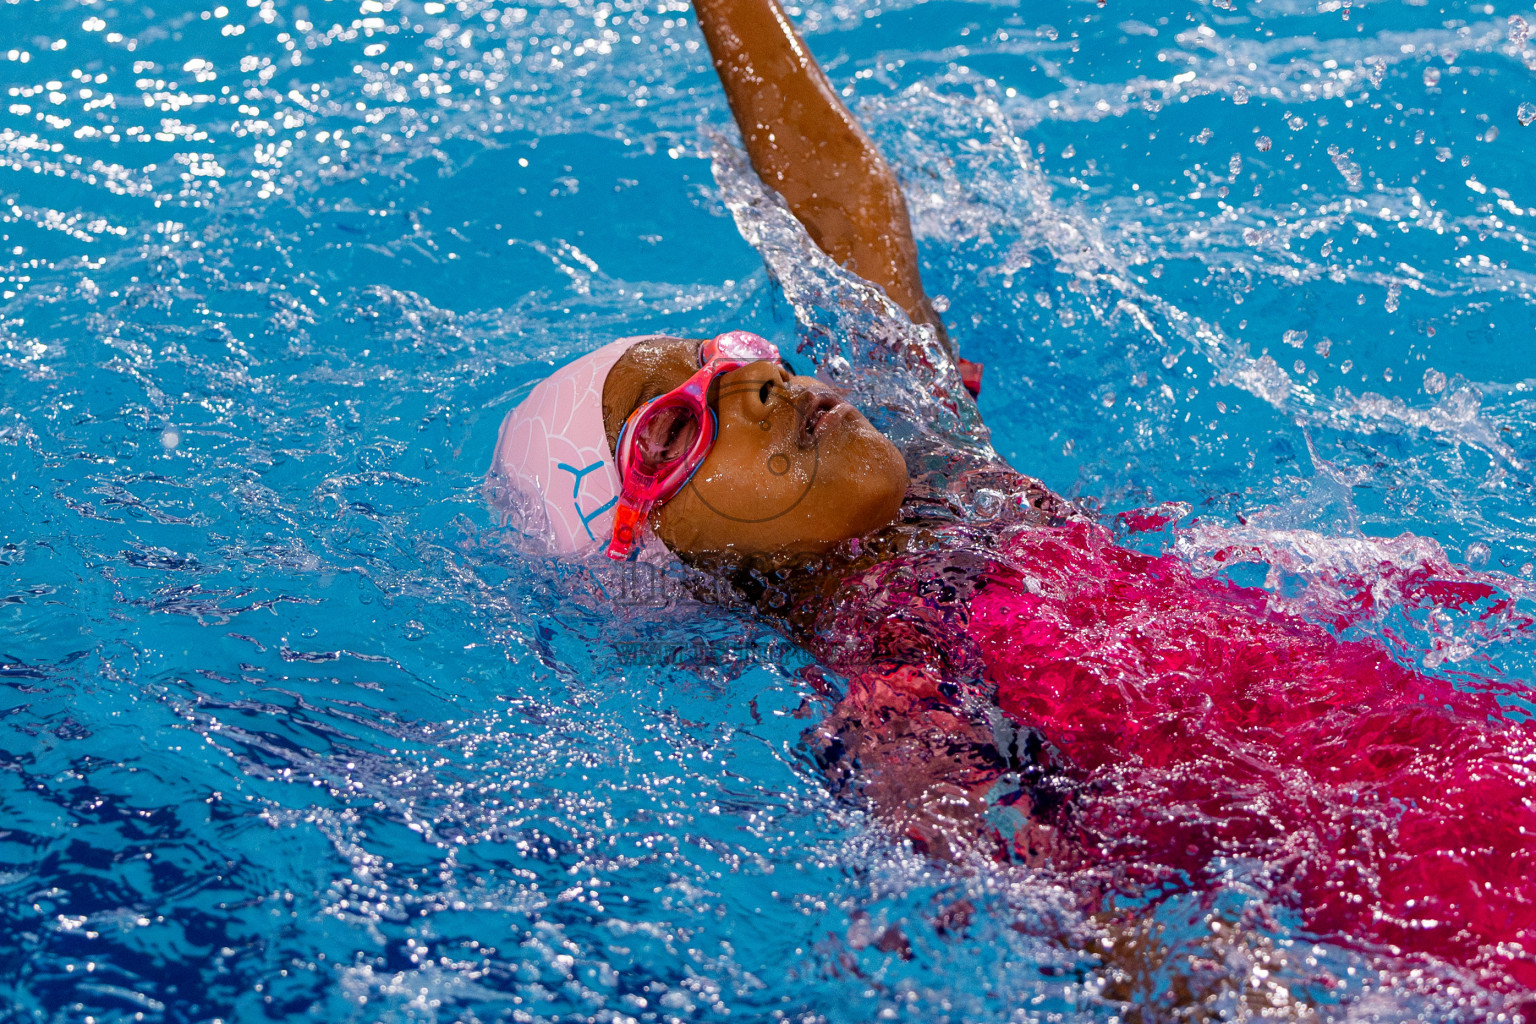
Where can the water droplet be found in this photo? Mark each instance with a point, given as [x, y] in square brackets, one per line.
[1069, 152]
[1434, 381]
[1478, 554]
[1345, 166]
[169, 438]
[1322, 347]
[1295, 339]
[1527, 569]
[1491, 134]
[1239, 95]
[1386, 374]
[1518, 29]
[1526, 114]
[1300, 366]
[1235, 165]
[1393, 291]
[1108, 399]
[940, 303]
[1263, 143]
[1205, 136]
[1346, 366]
[1296, 123]
[1431, 77]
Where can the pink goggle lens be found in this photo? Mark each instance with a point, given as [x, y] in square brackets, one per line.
[739, 347]
[665, 436]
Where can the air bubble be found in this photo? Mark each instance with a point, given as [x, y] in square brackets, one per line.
[1239, 95]
[1478, 554]
[1434, 381]
[1295, 339]
[1526, 114]
[1431, 77]
[1518, 29]
[1235, 165]
[1263, 143]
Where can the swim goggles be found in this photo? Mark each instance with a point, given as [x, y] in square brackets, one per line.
[663, 443]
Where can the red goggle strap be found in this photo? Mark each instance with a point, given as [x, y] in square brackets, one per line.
[628, 522]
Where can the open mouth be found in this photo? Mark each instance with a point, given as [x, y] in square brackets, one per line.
[818, 410]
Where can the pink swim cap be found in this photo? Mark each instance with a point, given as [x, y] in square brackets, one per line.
[553, 475]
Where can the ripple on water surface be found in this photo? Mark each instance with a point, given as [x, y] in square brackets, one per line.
[289, 733]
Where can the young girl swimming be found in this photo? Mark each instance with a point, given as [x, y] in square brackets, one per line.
[1019, 686]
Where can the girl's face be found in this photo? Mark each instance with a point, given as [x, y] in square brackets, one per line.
[794, 468]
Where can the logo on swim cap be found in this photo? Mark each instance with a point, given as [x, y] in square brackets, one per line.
[553, 476]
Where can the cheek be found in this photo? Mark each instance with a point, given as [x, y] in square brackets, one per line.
[748, 486]
[757, 492]
[756, 469]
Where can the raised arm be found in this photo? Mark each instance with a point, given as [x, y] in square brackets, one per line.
[803, 142]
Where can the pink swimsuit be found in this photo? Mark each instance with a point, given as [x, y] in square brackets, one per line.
[1390, 809]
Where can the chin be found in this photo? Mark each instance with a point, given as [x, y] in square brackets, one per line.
[880, 512]
[877, 502]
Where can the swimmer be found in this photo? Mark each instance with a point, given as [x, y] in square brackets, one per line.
[1024, 689]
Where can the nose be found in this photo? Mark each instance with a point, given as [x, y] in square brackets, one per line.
[755, 385]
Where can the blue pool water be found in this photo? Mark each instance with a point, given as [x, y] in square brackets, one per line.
[287, 734]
